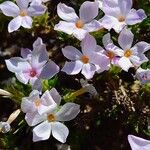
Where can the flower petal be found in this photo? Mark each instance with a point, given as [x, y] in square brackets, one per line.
[36, 10]
[22, 4]
[71, 53]
[25, 52]
[106, 40]
[22, 77]
[26, 22]
[138, 143]
[68, 112]
[88, 70]
[38, 42]
[135, 16]
[142, 47]
[55, 95]
[125, 63]
[80, 33]
[49, 70]
[125, 39]
[27, 106]
[72, 68]
[34, 118]
[67, 27]
[92, 26]
[14, 24]
[10, 9]
[59, 131]
[66, 13]
[88, 44]
[88, 11]
[42, 132]
[17, 64]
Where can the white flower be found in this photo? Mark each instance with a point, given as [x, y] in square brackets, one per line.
[78, 26]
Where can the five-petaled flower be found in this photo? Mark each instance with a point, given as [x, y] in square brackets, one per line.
[78, 26]
[119, 13]
[130, 56]
[50, 119]
[88, 61]
[34, 66]
[21, 13]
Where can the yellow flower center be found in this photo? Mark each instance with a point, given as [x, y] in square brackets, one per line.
[51, 118]
[110, 54]
[121, 18]
[127, 53]
[84, 59]
[23, 13]
[37, 102]
[79, 24]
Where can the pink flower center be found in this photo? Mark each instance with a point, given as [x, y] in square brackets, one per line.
[23, 13]
[37, 102]
[33, 73]
[121, 18]
[127, 53]
[51, 118]
[84, 59]
[79, 24]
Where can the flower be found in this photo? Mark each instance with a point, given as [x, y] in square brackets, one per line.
[34, 66]
[110, 49]
[85, 61]
[138, 143]
[34, 104]
[130, 56]
[143, 75]
[78, 26]
[50, 120]
[118, 14]
[21, 13]
[4, 127]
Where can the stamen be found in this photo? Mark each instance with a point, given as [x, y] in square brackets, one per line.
[127, 53]
[79, 24]
[23, 13]
[51, 118]
[37, 102]
[84, 59]
[110, 54]
[121, 18]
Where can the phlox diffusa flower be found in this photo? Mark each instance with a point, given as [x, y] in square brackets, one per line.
[34, 66]
[50, 120]
[119, 13]
[138, 143]
[21, 13]
[86, 61]
[143, 75]
[78, 26]
[34, 104]
[130, 56]
[110, 50]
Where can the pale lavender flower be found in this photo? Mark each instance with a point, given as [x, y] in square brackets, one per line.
[143, 75]
[120, 13]
[138, 143]
[21, 13]
[34, 66]
[110, 50]
[35, 105]
[78, 26]
[85, 61]
[50, 120]
[131, 56]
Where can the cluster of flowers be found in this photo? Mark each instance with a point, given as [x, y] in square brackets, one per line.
[35, 65]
